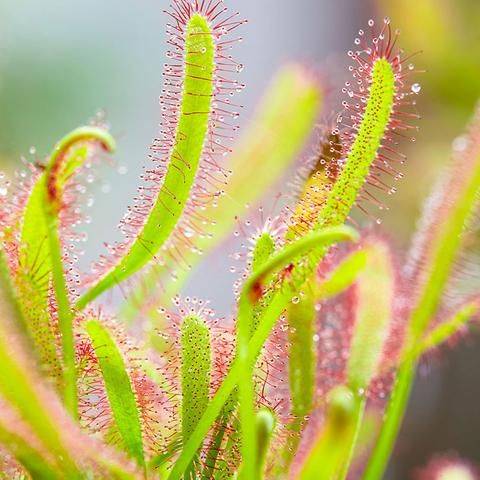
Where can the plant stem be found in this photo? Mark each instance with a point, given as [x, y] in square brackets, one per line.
[394, 415]
[265, 325]
[65, 316]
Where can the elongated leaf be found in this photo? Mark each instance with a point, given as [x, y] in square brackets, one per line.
[22, 388]
[191, 131]
[447, 329]
[40, 253]
[373, 314]
[275, 134]
[456, 202]
[331, 446]
[249, 349]
[196, 371]
[343, 275]
[119, 390]
[25, 448]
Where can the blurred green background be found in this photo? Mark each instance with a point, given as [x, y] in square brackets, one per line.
[63, 61]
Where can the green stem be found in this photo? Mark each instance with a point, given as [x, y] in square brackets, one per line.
[265, 325]
[462, 190]
[65, 317]
[360, 404]
[59, 170]
[394, 416]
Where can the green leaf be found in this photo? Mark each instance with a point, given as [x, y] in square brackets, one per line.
[196, 371]
[458, 201]
[33, 459]
[119, 390]
[191, 131]
[447, 329]
[248, 352]
[373, 314]
[342, 276]
[282, 122]
[40, 257]
[330, 448]
[265, 426]
[301, 368]
[369, 135]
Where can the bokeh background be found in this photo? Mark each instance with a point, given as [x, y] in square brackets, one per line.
[63, 61]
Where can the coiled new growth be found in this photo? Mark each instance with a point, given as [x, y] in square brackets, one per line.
[195, 104]
[41, 253]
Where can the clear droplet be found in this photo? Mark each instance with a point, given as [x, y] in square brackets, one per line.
[416, 87]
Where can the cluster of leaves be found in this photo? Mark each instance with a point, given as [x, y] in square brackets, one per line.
[311, 378]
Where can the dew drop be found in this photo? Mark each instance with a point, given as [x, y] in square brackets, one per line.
[416, 87]
[32, 150]
[3, 191]
[460, 144]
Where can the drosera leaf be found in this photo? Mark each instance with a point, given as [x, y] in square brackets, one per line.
[59, 169]
[374, 301]
[301, 321]
[436, 248]
[25, 448]
[363, 151]
[121, 396]
[263, 249]
[22, 388]
[277, 132]
[375, 290]
[249, 353]
[38, 226]
[265, 422]
[301, 318]
[196, 372]
[447, 329]
[265, 426]
[342, 276]
[375, 114]
[195, 102]
[329, 449]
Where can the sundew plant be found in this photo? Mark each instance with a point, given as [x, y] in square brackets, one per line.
[311, 375]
